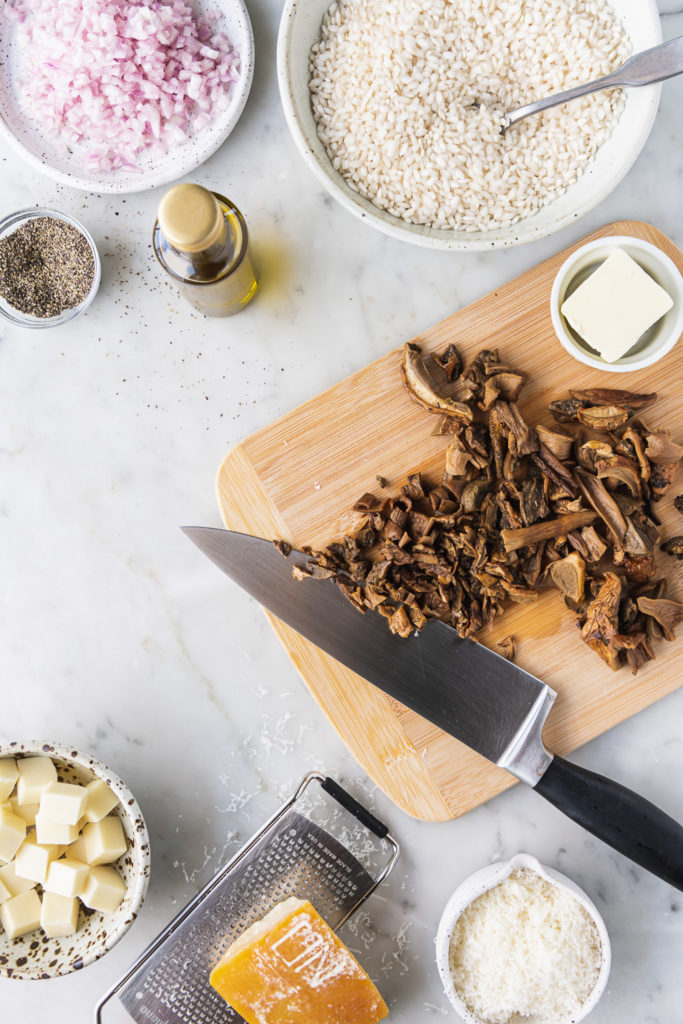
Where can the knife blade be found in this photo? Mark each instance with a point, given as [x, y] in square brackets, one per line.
[493, 706]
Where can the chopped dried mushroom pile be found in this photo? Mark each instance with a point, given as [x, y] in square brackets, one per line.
[518, 508]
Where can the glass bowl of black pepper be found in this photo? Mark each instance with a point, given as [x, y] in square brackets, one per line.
[49, 268]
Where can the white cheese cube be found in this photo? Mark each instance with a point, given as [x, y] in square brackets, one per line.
[35, 773]
[8, 777]
[54, 832]
[26, 811]
[32, 860]
[14, 882]
[77, 851]
[5, 894]
[101, 800]
[67, 877]
[59, 915]
[105, 890]
[104, 840]
[613, 307]
[63, 803]
[21, 914]
[12, 834]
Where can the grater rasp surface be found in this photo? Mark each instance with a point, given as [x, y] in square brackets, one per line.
[296, 857]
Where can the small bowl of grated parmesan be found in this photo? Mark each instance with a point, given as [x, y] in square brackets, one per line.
[519, 943]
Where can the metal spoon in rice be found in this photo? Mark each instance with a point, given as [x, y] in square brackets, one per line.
[653, 65]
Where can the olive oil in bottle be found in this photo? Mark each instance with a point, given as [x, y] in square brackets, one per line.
[201, 240]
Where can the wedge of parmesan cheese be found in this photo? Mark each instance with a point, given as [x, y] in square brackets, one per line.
[290, 968]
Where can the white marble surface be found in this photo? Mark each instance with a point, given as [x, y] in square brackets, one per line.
[115, 634]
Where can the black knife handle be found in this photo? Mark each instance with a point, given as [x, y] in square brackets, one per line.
[618, 816]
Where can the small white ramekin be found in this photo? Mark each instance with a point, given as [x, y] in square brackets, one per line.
[480, 882]
[658, 340]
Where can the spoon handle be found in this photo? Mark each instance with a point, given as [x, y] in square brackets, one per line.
[653, 65]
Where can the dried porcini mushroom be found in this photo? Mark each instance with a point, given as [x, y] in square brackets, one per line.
[533, 504]
[613, 396]
[569, 575]
[473, 494]
[660, 448]
[555, 471]
[667, 613]
[451, 362]
[506, 419]
[662, 475]
[621, 469]
[507, 647]
[678, 503]
[424, 378]
[463, 451]
[595, 546]
[558, 443]
[517, 506]
[527, 536]
[604, 504]
[505, 385]
[601, 627]
[566, 410]
[673, 546]
[603, 417]
[590, 452]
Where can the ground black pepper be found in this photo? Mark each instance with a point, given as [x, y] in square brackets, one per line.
[46, 266]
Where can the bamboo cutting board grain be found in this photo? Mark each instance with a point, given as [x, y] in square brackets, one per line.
[297, 479]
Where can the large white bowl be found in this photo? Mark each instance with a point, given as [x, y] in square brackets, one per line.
[34, 956]
[63, 162]
[483, 880]
[300, 28]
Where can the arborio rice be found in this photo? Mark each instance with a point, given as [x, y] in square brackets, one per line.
[408, 97]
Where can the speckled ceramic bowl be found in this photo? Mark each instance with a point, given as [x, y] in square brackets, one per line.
[67, 163]
[34, 956]
[479, 883]
[300, 28]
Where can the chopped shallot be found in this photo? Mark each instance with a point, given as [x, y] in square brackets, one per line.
[122, 76]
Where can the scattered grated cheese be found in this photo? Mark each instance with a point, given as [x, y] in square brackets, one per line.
[525, 949]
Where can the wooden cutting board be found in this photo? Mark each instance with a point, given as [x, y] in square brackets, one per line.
[297, 478]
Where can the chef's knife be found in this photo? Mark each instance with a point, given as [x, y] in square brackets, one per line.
[488, 703]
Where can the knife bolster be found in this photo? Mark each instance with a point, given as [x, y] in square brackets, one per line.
[527, 757]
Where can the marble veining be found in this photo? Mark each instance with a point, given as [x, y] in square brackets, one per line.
[115, 634]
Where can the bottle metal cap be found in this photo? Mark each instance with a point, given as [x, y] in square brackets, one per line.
[191, 218]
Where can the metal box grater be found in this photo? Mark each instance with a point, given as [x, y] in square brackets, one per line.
[290, 856]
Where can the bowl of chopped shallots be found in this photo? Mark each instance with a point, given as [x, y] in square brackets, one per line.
[113, 96]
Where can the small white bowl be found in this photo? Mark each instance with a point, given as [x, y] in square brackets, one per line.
[14, 221]
[34, 956]
[480, 882]
[300, 27]
[655, 342]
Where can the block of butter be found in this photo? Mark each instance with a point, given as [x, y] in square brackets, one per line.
[290, 968]
[614, 307]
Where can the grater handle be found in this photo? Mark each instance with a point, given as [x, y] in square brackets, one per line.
[353, 807]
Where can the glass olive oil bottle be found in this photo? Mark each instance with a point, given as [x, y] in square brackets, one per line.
[201, 240]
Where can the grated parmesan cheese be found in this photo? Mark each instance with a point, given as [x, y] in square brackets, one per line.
[525, 951]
